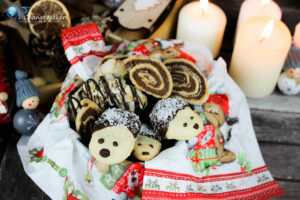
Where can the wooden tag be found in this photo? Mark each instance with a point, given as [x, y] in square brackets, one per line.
[129, 18]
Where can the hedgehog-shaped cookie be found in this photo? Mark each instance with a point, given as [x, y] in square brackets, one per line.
[113, 137]
[147, 144]
[174, 119]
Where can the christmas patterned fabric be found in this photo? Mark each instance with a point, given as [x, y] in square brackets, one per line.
[62, 166]
[199, 175]
[204, 153]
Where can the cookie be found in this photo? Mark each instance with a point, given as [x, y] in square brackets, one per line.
[174, 119]
[74, 107]
[163, 54]
[216, 109]
[85, 118]
[147, 144]
[111, 67]
[114, 136]
[115, 93]
[188, 82]
[149, 75]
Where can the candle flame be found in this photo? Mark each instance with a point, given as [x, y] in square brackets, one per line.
[265, 2]
[203, 6]
[267, 31]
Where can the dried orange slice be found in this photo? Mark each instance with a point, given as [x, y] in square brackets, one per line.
[48, 17]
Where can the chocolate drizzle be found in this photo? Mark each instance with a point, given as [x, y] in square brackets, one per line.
[123, 93]
[102, 93]
[73, 108]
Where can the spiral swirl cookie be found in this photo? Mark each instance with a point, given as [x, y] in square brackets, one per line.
[85, 118]
[188, 82]
[150, 76]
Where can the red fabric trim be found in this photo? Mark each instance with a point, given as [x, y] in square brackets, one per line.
[100, 54]
[264, 191]
[80, 58]
[204, 179]
[79, 34]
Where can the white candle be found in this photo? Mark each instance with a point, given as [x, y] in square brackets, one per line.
[202, 22]
[252, 8]
[297, 36]
[259, 53]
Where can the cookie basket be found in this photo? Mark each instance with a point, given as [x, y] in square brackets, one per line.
[55, 159]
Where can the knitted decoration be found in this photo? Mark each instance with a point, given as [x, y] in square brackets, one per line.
[293, 59]
[222, 100]
[24, 87]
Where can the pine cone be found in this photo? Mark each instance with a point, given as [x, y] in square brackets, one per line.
[49, 52]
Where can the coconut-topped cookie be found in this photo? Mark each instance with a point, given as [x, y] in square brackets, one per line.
[147, 131]
[174, 119]
[114, 136]
[119, 117]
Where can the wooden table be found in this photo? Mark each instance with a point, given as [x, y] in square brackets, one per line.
[276, 120]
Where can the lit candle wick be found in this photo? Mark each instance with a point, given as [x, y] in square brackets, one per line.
[265, 2]
[203, 6]
[267, 31]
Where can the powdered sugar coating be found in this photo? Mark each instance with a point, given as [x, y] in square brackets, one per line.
[164, 111]
[119, 117]
[147, 131]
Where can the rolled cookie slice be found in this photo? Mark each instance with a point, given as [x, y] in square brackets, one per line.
[114, 135]
[150, 76]
[174, 119]
[188, 82]
[85, 118]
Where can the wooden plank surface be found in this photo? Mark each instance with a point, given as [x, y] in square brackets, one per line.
[275, 127]
[282, 160]
[277, 102]
[291, 191]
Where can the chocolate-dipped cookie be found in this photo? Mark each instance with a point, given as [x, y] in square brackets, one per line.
[114, 136]
[85, 118]
[174, 119]
[149, 75]
[188, 82]
[147, 144]
[115, 92]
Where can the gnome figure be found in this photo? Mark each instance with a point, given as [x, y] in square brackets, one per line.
[27, 119]
[289, 80]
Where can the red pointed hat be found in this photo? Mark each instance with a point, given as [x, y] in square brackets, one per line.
[4, 87]
[220, 99]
